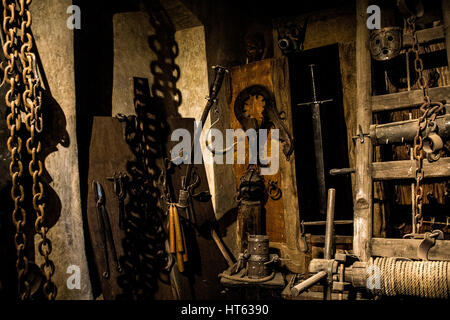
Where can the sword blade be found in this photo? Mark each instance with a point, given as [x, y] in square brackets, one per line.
[320, 165]
[318, 143]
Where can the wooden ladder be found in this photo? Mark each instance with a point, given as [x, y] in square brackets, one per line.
[364, 245]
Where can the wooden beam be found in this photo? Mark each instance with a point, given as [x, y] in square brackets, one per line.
[407, 248]
[398, 170]
[363, 179]
[425, 36]
[319, 240]
[407, 99]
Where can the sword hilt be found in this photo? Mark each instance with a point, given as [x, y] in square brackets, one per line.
[314, 102]
[314, 91]
[313, 82]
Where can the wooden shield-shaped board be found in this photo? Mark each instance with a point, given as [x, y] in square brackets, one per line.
[110, 153]
[259, 73]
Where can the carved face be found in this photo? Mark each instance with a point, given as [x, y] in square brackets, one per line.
[385, 43]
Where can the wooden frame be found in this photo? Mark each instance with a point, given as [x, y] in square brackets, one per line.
[366, 171]
[396, 170]
[407, 99]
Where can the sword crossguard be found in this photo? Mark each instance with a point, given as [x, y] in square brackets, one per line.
[314, 102]
[361, 135]
[313, 89]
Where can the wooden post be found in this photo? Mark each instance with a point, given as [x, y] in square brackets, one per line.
[446, 19]
[329, 232]
[363, 195]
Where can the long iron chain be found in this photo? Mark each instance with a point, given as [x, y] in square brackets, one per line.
[29, 99]
[14, 122]
[32, 98]
[429, 112]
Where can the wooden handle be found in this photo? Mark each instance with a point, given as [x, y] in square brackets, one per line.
[172, 229]
[178, 232]
[177, 238]
[222, 248]
[180, 262]
[185, 254]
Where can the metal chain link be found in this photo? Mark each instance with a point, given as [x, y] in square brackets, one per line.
[14, 122]
[22, 72]
[429, 112]
[32, 98]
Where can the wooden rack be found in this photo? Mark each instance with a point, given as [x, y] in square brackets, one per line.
[367, 171]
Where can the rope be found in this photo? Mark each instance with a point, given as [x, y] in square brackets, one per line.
[425, 279]
[247, 279]
[241, 278]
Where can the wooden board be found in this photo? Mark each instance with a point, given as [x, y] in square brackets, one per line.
[425, 36]
[397, 170]
[260, 73]
[407, 248]
[407, 99]
[110, 153]
[107, 155]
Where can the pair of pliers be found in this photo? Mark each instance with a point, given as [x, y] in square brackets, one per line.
[105, 228]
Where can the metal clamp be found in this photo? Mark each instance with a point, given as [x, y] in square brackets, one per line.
[428, 242]
[361, 135]
[120, 181]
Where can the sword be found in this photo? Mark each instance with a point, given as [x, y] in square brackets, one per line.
[318, 143]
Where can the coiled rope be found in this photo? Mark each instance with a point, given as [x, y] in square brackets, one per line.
[400, 277]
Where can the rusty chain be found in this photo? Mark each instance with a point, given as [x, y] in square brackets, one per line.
[32, 98]
[26, 90]
[429, 112]
[14, 122]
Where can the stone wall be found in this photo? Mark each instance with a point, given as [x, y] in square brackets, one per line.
[55, 45]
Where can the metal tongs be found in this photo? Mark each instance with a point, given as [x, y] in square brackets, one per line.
[105, 228]
[120, 181]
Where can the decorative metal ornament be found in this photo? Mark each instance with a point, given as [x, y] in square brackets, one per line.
[270, 116]
[386, 43]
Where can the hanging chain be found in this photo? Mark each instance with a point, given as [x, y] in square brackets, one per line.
[418, 63]
[429, 112]
[14, 122]
[25, 94]
[32, 98]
